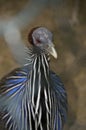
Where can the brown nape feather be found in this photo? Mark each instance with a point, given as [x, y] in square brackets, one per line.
[30, 39]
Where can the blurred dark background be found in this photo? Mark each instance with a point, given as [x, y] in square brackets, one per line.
[67, 20]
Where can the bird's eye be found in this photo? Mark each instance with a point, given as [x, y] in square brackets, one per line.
[38, 41]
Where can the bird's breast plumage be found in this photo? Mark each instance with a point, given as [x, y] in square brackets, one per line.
[33, 99]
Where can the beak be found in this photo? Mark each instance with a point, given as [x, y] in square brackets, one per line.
[52, 51]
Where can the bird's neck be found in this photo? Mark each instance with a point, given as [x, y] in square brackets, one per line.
[37, 57]
[40, 65]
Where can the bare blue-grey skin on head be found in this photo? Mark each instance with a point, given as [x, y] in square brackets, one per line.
[33, 97]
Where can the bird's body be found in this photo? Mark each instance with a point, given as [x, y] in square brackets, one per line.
[33, 97]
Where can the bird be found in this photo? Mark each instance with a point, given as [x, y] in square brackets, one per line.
[32, 96]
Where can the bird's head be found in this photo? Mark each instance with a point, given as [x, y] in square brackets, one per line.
[42, 38]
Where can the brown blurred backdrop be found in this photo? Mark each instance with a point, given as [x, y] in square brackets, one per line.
[67, 21]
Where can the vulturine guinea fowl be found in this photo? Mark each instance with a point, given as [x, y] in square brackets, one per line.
[33, 97]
